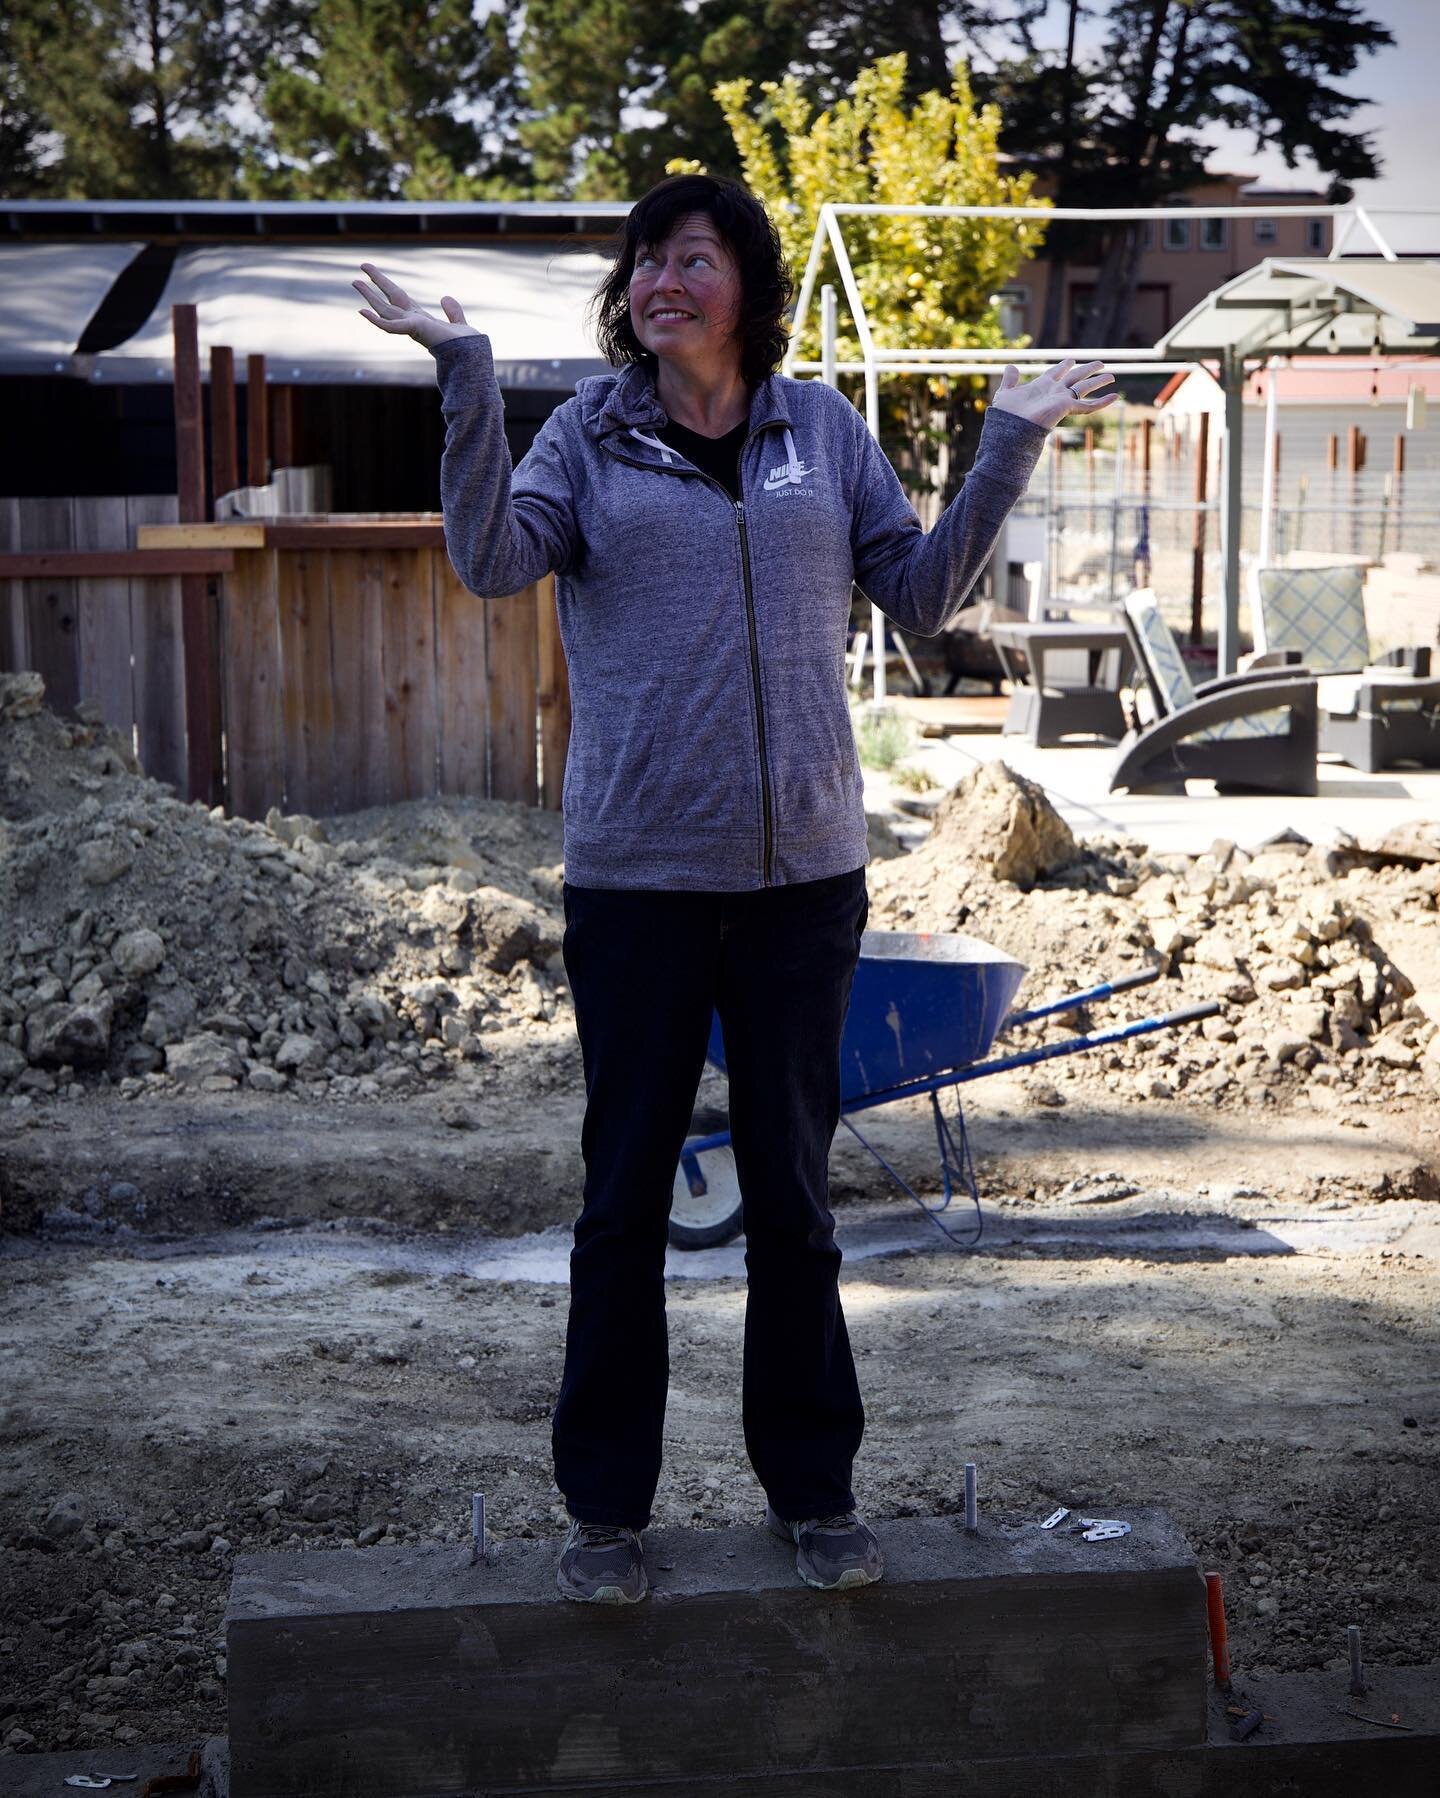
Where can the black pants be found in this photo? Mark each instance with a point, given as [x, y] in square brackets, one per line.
[646, 969]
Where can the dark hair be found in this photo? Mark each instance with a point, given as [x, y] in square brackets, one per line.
[748, 232]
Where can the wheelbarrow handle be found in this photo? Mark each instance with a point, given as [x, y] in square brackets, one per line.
[1121, 984]
[1028, 1058]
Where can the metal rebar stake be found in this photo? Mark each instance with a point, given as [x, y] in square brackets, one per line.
[477, 1528]
[972, 1507]
[1357, 1680]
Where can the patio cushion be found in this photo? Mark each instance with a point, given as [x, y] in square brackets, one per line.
[1320, 612]
[1167, 667]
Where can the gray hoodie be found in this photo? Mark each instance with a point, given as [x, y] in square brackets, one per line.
[710, 746]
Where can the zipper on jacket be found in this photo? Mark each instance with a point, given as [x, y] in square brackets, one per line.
[767, 871]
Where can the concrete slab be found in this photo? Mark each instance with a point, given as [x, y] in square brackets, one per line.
[1077, 781]
[408, 1671]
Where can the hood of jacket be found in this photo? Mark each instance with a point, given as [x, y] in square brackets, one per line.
[627, 401]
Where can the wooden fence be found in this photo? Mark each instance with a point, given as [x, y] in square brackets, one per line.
[114, 637]
[353, 668]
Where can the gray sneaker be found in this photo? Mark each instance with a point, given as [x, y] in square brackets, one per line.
[832, 1553]
[602, 1563]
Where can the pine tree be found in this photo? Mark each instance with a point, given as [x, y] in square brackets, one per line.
[1127, 127]
[374, 106]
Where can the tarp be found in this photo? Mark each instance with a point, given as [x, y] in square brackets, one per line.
[293, 304]
[1355, 306]
[51, 292]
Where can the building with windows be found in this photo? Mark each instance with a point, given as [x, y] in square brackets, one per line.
[1182, 260]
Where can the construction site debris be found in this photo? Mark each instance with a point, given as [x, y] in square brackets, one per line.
[158, 948]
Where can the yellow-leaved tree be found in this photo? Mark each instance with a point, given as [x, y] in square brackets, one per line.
[924, 281]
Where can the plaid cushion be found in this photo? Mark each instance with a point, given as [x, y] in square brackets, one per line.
[1320, 612]
[1167, 668]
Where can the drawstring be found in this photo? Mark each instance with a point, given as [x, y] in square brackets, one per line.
[654, 443]
[797, 474]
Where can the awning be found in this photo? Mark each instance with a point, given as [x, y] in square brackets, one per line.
[53, 291]
[294, 305]
[1358, 306]
[1351, 306]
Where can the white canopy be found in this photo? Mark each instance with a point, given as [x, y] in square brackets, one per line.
[52, 292]
[1356, 306]
[294, 304]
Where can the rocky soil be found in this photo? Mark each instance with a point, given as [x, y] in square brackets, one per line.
[149, 947]
[1209, 1279]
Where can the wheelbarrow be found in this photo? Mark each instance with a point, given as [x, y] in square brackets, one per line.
[925, 1012]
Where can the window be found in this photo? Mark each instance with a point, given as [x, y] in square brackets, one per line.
[1177, 234]
[1214, 234]
[1266, 231]
[1315, 234]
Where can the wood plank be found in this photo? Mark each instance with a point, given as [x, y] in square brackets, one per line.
[104, 602]
[400, 534]
[14, 637]
[282, 417]
[409, 665]
[52, 608]
[102, 563]
[460, 706]
[553, 697]
[357, 611]
[157, 645]
[307, 703]
[189, 410]
[257, 423]
[224, 430]
[201, 536]
[512, 642]
[254, 741]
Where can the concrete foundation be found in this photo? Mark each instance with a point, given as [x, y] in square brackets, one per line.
[399, 1672]
[1307, 1746]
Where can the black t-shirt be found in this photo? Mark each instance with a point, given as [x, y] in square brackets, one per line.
[715, 456]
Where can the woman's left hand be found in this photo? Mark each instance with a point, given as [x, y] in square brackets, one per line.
[1068, 387]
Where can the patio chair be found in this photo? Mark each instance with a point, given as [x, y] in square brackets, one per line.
[1376, 710]
[1254, 732]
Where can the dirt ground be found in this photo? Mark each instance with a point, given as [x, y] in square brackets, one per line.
[315, 1312]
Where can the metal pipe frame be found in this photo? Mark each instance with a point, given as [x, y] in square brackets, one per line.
[875, 359]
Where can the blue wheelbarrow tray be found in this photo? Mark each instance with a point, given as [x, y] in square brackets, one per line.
[922, 1003]
[925, 1010]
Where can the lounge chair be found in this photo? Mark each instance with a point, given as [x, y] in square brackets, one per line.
[1376, 711]
[1253, 732]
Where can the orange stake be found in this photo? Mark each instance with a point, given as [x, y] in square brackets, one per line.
[1219, 1640]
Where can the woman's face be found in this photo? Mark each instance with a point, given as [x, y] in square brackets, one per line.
[685, 294]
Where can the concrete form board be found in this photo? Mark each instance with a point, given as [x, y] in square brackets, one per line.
[1308, 1749]
[414, 1672]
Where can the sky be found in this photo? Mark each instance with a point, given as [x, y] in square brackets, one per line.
[1399, 83]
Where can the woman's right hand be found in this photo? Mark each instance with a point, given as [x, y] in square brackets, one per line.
[395, 311]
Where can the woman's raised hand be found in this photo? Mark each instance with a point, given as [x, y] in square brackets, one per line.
[1068, 387]
[395, 311]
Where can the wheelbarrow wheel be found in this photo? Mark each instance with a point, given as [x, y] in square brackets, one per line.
[705, 1212]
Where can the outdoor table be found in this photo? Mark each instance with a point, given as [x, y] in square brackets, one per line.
[1381, 716]
[1047, 708]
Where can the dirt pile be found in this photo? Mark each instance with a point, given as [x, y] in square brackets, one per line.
[152, 943]
[161, 947]
[1001, 824]
[1313, 1007]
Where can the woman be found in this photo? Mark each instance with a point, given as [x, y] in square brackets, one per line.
[705, 518]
